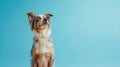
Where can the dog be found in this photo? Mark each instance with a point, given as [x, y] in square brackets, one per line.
[42, 49]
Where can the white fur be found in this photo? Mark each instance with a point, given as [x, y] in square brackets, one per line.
[43, 46]
[42, 33]
[44, 43]
[42, 17]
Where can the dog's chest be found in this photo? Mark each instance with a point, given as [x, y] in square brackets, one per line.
[42, 45]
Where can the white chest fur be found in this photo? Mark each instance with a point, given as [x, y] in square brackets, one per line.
[43, 33]
[42, 45]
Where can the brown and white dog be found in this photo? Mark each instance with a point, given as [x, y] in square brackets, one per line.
[42, 49]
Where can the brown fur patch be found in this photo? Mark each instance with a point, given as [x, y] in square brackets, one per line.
[31, 16]
[36, 55]
[36, 27]
[48, 55]
[48, 15]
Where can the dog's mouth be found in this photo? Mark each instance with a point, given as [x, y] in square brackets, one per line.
[43, 26]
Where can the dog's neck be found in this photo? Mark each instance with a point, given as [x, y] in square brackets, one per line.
[43, 33]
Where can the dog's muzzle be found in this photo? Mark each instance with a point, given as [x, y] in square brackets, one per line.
[44, 21]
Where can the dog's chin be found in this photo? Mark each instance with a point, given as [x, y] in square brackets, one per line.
[42, 27]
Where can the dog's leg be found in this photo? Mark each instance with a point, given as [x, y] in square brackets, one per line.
[50, 60]
[34, 63]
[51, 63]
[39, 63]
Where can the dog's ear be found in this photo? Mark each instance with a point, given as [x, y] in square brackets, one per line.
[48, 15]
[31, 15]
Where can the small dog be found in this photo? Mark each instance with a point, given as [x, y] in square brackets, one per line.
[42, 49]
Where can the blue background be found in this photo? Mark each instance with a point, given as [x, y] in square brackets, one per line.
[86, 33]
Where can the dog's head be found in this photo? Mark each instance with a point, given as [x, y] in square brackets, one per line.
[39, 22]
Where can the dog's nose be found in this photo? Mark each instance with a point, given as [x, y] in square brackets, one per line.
[44, 21]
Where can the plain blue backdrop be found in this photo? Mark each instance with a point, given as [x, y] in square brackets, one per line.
[86, 33]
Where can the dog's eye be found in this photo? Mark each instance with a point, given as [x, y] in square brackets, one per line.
[38, 18]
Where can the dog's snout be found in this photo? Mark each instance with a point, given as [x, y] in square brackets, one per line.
[44, 21]
[39, 25]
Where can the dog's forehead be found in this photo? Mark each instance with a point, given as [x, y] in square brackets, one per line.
[42, 16]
